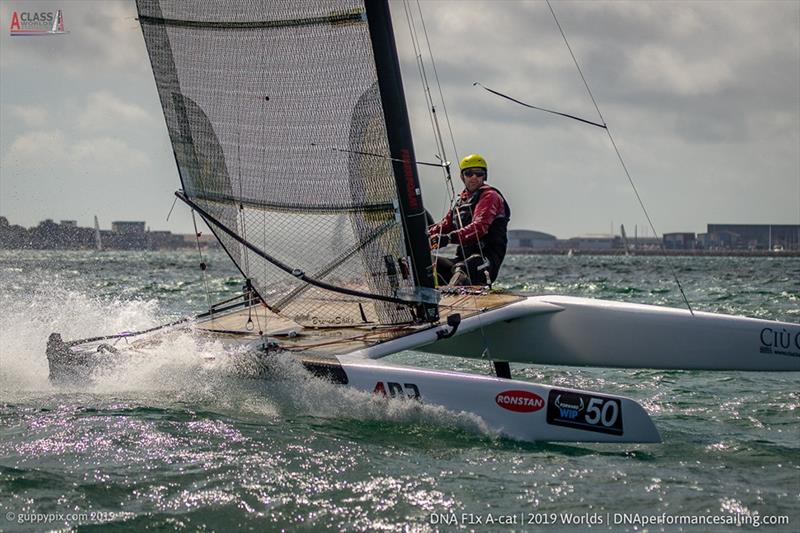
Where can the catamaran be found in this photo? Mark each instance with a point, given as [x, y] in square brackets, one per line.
[292, 142]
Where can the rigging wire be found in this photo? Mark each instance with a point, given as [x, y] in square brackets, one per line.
[381, 156]
[259, 301]
[436, 129]
[616, 150]
[604, 126]
[202, 261]
[175, 201]
[431, 109]
[441, 147]
[440, 140]
[243, 216]
[241, 195]
[438, 83]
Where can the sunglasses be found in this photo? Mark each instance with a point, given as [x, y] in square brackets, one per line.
[470, 172]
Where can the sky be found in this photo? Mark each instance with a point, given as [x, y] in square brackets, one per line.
[702, 98]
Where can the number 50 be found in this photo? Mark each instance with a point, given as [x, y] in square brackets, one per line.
[607, 415]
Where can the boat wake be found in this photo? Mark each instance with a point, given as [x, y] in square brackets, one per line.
[185, 367]
[28, 319]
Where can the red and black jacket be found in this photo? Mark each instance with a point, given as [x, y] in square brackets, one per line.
[480, 222]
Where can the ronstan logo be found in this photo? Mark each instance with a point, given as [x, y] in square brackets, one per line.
[520, 401]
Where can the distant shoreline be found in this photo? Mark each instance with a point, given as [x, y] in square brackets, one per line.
[688, 253]
[512, 251]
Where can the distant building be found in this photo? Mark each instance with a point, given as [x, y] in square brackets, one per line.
[126, 235]
[161, 240]
[127, 228]
[646, 243]
[590, 242]
[523, 239]
[680, 241]
[68, 236]
[753, 236]
[718, 240]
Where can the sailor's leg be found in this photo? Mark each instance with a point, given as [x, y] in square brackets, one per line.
[444, 270]
[477, 269]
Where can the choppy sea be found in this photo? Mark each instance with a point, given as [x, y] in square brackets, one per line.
[176, 443]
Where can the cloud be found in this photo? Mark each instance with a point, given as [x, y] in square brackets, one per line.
[108, 152]
[104, 110]
[51, 151]
[699, 96]
[30, 115]
[35, 146]
[662, 69]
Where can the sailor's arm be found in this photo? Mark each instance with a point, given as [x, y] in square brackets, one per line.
[489, 207]
[443, 226]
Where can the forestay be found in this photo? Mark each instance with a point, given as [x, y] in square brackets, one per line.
[278, 127]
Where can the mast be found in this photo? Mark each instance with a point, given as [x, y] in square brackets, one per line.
[398, 129]
[98, 242]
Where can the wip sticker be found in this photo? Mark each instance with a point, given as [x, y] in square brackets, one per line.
[584, 411]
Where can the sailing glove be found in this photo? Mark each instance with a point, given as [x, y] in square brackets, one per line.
[440, 241]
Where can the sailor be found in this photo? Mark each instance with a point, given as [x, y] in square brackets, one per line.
[477, 224]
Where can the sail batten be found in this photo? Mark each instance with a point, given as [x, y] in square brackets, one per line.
[251, 92]
[340, 18]
[294, 207]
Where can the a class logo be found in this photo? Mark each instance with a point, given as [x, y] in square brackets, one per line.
[37, 23]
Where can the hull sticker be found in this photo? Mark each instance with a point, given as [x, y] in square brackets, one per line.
[397, 390]
[521, 401]
[589, 412]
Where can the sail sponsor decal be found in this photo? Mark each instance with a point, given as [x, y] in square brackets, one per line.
[314, 320]
[37, 23]
[412, 191]
[588, 412]
[780, 341]
[520, 401]
[397, 390]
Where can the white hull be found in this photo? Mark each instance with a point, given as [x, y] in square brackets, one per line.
[564, 330]
[554, 330]
[517, 409]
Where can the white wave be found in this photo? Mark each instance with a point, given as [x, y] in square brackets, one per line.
[183, 367]
[26, 323]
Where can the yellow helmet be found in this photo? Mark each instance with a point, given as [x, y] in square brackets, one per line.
[473, 161]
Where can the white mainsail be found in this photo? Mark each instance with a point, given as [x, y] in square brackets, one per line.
[277, 119]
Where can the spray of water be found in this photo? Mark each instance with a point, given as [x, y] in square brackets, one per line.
[182, 368]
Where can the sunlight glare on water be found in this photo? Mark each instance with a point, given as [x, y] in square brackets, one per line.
[179, 438]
